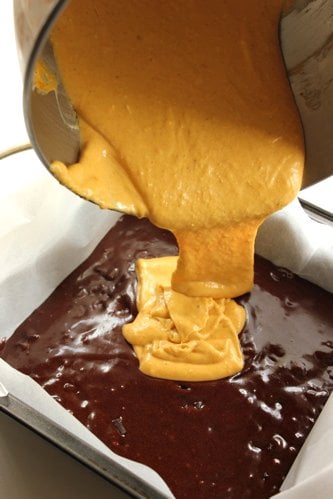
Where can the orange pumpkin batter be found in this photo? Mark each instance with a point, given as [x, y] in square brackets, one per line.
[186, 116]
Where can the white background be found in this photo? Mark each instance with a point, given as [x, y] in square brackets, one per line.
[12, 129]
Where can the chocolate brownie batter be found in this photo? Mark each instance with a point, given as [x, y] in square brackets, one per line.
[232, 438]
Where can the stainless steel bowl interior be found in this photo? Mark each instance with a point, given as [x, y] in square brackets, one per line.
[50, 118]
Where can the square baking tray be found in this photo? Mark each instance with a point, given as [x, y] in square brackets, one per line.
[108, 468]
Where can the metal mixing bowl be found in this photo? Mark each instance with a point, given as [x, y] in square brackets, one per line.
[306, 34]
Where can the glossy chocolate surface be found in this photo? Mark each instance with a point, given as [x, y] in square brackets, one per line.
[232, 438]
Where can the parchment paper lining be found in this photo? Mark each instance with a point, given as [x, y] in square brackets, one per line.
[46, 231]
